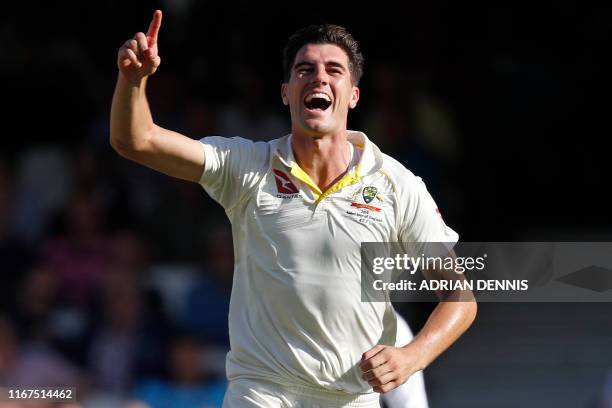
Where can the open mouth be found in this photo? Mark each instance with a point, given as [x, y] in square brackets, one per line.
[317, 101]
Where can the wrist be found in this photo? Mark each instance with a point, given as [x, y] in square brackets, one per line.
[136, 82]
[416, 355]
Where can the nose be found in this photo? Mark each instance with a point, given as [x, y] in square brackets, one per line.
[320, 75]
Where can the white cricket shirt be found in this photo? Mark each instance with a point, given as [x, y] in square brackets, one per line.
[296, 315]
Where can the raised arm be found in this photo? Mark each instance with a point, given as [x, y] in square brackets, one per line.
[133, 134]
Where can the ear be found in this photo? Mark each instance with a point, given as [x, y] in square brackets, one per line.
[284, 94]
[354, 98]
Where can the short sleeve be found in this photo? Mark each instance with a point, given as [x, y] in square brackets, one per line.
[232, 167]
[422, 220]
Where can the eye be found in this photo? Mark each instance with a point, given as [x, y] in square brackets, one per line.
[303, 71]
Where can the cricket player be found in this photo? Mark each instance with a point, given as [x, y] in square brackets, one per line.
[299, 207]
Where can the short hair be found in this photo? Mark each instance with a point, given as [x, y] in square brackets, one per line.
[324, 34]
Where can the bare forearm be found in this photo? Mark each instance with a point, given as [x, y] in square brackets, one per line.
[445, 325]
[387, 367]
[131, 120]
[132, 132]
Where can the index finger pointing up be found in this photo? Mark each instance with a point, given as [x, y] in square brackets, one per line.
[154, 28]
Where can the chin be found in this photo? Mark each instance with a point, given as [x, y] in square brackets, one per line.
[317, 126]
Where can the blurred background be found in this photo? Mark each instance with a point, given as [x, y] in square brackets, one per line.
[117, 279]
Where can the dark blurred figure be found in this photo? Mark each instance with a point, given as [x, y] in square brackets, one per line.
[408, 122]
[44, 181]
[604, 400]
[129, 254]
[128, 341]
[15, 256]
[207, 306]
[249, 114]
[179, 222]
[80, 256]
[32, 363]
[37, 299]
[126, 325]
[189, 383]
[111, 355]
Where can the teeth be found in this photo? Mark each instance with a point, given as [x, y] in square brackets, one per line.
[317, 95]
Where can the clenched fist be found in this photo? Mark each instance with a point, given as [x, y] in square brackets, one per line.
[387, 367]
[138, 57]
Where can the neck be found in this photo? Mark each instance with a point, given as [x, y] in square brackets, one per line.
[325, 159]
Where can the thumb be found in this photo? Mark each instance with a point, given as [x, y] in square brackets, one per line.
[151, 57]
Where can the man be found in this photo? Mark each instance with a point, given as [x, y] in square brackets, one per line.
[299, 207]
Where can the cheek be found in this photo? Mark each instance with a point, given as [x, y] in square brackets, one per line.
[345, 102]
[294, 96]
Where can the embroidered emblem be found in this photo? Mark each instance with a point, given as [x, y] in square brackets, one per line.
[369, 193]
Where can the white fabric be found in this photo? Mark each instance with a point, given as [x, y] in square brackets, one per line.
[412, 393]
[295, 314]
[247, 393]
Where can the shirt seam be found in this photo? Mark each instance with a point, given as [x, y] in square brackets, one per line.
[248, 193]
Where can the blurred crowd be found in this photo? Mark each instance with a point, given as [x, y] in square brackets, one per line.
[117, 279]
[87, 301]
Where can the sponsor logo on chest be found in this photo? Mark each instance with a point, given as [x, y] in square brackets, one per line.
[284, 186]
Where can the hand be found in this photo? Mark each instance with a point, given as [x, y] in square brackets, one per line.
[137, 57]
[387, 367]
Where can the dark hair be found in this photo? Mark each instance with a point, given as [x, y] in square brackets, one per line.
[324, 34]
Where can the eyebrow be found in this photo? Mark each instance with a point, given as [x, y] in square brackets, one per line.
[310, 64]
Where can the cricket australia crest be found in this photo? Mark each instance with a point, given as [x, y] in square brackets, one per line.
[369, 193]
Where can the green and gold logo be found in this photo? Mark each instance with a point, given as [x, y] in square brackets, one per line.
[369, 193]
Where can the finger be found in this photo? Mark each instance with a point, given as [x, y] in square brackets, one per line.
[377, 372]
[155, 62]
[151, 54]
[131, 56]
[379, 381]
[372, 352]
[368, 375]
[153, 30]
[132, 45]
[127, 57]
[386, 387]
[142, 43]
[376, 361]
